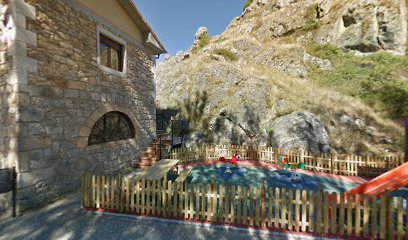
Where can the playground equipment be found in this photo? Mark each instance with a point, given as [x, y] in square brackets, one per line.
[234, 161]
[391, 180]
[286, 165]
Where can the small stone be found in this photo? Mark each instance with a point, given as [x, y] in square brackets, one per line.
[346, 120]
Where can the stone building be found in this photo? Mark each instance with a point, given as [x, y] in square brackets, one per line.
[76, 93]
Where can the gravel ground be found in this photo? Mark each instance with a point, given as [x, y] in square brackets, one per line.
[65, 220]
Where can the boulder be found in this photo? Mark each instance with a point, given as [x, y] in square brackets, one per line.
[300, 129]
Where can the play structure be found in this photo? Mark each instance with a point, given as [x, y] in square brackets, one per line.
[391, 180]
[233, 161]
[283, 159]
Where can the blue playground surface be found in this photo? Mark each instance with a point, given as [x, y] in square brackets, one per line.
[254, 176]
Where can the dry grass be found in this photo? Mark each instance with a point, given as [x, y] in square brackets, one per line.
[303, 95]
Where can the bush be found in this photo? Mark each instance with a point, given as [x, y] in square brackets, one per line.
[227, 54]
[204, 40]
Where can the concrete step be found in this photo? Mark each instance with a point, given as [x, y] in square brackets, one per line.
[150, 155]
[148, 159]
[144, 165]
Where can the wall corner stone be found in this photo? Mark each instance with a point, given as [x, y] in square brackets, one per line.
[18, 37]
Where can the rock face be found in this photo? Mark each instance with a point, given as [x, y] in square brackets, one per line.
[259, 69]
[369, 26]
[300, 130]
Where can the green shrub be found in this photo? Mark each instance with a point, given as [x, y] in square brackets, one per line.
[227, 54]
[204, 40]
[247, 4]
[378, 78]
[311, 25]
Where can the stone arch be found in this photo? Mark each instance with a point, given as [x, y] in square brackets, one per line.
[85, 130]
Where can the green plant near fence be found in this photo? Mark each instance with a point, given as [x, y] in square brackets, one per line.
[319, 213]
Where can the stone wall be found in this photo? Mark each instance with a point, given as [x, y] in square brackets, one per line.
[65, 94]
[4, 68]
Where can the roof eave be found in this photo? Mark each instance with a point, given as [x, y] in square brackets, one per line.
[141, 23]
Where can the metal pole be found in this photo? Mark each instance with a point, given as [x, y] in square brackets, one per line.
[14, 182]
[182, 131]
[406, 139]
[162, 122]
[172, 130]
[160, 146]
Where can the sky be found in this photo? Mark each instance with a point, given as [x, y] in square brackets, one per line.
[176, 21]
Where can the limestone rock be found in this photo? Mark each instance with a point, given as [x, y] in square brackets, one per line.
[201, 31]
[284, 3]
[323, 64]
[368, 26]
[300, 129]
[180, 56]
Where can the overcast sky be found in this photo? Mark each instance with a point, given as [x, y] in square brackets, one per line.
[176, 21]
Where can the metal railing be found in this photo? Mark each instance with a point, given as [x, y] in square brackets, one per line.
[8, 183]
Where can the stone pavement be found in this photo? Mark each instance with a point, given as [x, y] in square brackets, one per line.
[65, 220]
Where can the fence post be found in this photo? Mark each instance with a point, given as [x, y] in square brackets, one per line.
[331, 164]
[390, 215]
[263, 197]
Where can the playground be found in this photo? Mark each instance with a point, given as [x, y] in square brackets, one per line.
[248, 173]
[321, 195]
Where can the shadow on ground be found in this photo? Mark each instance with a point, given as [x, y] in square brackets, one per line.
[64, 220]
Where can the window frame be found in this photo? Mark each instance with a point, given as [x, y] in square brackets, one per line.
[119, 41]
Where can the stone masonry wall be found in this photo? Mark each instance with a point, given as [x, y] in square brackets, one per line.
[64, 98]
[14, 68]
[4, 68]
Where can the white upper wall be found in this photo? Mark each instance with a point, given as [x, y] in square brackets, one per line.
[114, 13]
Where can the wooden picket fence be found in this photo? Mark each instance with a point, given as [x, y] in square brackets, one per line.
[318, 213]
[349, 165]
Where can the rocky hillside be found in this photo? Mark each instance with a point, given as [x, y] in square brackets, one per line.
[329, 75]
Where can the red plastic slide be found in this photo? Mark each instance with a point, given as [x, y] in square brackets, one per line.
[391, 180]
